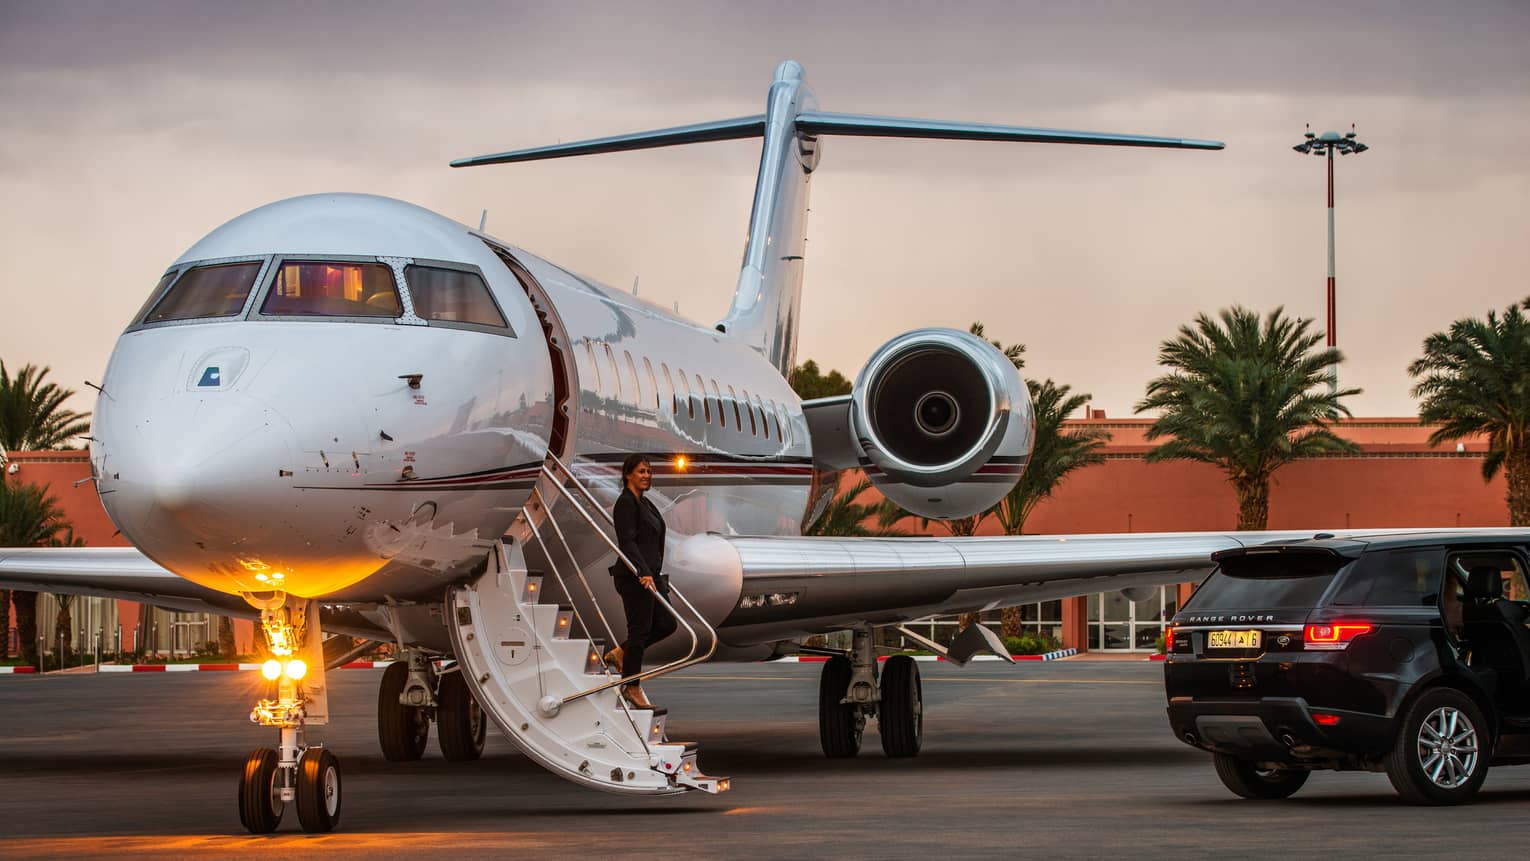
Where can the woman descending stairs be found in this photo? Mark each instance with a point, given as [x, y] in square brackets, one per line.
[551, 694]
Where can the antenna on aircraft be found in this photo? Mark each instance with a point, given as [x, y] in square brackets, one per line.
[483, 220]
[634, 285]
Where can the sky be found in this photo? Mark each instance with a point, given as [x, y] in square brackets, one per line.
[129, 130]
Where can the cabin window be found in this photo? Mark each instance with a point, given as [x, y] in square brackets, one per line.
[722, 410]
[206, 291]
[754, 429]
[616, 378]
[669, 383]
[452, 296]
[785, 423]
[314, 289]
[653, 383]
[706, 402]
[690, 403]
[589, 349]
[738, 418]
[759, 406]
[637, 384]
[773, 415]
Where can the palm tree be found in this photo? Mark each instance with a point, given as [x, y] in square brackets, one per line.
[845, 516]
[29, 517]
[32, 417]
[1476, 380]
[1247, 398]
[1054, 455]
[63, 623]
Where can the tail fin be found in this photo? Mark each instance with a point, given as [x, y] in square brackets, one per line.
[768, 296]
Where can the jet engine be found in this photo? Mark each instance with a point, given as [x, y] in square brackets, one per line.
[943, 422]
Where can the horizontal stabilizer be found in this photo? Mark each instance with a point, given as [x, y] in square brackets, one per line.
[819, 123]
[719, 130]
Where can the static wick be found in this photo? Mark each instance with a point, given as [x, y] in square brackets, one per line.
[483, 220]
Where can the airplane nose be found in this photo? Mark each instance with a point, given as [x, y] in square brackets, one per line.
[208, 467]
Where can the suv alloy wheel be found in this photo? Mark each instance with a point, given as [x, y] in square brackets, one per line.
[1442, 750]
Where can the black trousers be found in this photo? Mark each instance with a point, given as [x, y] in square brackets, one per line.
[647, 621]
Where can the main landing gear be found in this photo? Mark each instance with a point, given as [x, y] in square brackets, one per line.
[850, 691]
[295, 773]
[413, 694]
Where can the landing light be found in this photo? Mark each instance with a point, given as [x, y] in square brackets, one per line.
[296, 669]
[271, 669]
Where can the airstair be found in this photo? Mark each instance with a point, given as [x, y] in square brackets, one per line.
[535, 667]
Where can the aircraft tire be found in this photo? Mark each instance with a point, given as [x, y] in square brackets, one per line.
[260, 804]
[460, 724]
[402, 731]
[901, 714]
[318, 790]
[840, 726]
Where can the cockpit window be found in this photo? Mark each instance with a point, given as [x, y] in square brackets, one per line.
[206, 291]
[311, 289]
[452, 296]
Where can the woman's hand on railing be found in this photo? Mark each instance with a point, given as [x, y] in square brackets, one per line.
[647, 583]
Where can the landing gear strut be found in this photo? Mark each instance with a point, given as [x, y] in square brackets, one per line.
[308, 776]
[411, 695]
[850, 691]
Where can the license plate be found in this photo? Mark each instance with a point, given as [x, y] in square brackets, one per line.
[1233, 639]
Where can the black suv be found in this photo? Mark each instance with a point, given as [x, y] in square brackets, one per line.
[1408, 654]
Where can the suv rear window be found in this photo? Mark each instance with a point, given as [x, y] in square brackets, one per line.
[1267, 581]
[1395, 578]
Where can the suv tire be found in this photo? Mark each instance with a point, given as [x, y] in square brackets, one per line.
[1442, 751]
[1247, 780]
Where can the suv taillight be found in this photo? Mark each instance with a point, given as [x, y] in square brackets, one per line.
[1333, 636]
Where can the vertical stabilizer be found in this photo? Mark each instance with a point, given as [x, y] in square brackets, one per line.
[767, 300]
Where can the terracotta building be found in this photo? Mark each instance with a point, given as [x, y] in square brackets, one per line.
[1396, 480]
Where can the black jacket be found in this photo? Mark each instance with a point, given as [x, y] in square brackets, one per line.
[640, 535]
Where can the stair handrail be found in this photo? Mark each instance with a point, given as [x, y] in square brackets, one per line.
[691, 658]
[563, 540]
[621, 703]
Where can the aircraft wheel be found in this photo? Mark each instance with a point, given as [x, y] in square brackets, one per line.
[901, 714]
[318, 790]
[401, 730]
[260, 800]
[840, 726]
[460, 723]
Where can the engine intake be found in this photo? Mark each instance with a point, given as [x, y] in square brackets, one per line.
[932, 409]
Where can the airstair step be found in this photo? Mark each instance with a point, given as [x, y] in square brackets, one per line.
[710, 784]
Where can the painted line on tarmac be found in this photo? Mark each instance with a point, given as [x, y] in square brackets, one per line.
[928, 680]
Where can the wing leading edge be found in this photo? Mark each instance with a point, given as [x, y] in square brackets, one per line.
[793, 587]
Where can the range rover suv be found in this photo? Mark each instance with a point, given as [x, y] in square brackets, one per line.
[1406, 654]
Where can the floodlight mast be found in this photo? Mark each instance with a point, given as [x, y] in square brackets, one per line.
[1326, 144]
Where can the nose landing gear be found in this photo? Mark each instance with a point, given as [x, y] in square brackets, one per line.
[296, 773]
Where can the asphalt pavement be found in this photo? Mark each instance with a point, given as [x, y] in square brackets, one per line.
[1062, 759]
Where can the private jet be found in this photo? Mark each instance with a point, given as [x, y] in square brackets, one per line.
[345, 414]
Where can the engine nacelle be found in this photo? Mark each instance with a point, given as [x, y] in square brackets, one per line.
[943, 422]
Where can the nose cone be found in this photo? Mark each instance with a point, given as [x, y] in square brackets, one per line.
[204, 487]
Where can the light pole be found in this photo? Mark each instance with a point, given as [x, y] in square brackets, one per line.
[1326, 144]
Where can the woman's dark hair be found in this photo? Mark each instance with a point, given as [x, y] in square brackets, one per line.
[631, 463]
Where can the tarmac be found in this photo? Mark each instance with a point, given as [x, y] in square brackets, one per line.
[1061, 759]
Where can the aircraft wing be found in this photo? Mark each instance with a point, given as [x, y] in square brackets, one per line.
[795, 587]
[125, 573]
